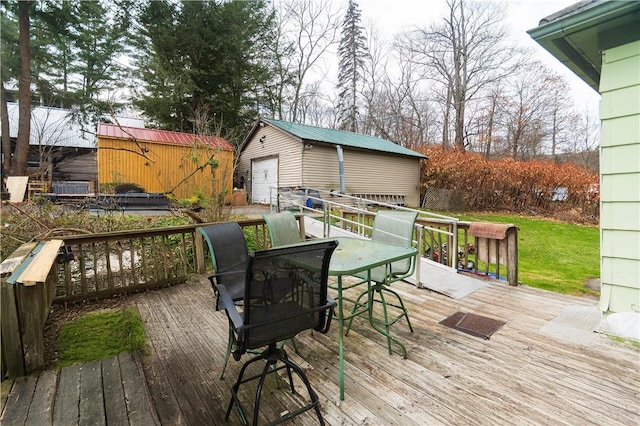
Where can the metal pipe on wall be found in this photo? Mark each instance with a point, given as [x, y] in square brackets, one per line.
[343, 188]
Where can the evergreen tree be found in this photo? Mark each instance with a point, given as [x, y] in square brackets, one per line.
[352, 53]
[203, 56]
[75, 49]
[8, 74]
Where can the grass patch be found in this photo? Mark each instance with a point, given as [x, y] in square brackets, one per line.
[554, 256]
[94, 336]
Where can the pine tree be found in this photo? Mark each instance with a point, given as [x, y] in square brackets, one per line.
[203, 56]
[352, 53]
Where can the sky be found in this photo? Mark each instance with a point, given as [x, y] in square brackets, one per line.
[392, 16]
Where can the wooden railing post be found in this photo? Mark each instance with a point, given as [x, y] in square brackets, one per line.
[198, 248]
[512, 255]
[497, 243]
[303, 234]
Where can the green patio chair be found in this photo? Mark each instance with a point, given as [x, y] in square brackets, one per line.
[283, 228]
[392, 227]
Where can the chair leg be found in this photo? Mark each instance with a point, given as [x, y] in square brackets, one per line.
[234, 392]
[226, 355]
[272, 356]
[315, 401]
[385, 323]
[357, 305]
[294, 345]
[263, 376]
[400, 305]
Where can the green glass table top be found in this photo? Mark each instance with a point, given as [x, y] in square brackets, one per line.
[356, 255]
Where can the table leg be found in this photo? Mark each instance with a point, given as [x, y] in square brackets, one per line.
[341, 337]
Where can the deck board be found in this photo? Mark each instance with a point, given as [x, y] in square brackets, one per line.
[522, 375]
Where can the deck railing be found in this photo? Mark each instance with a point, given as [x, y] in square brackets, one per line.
[104, 264]
[129, 261]
[494, 257]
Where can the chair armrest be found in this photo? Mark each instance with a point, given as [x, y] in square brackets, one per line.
[328, 314]
[226, 302]
[220, 274]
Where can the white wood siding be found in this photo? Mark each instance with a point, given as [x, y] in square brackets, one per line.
[288, 150]
[620, 178]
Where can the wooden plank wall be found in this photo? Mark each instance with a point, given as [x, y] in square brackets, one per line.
[27, 295]
[161, 167]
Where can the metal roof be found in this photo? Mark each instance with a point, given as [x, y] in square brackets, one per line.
[341, 137]
[53, 127]
[577, 35]
[160, 136]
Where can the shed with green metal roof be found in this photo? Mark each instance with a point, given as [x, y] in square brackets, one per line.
[285, 155]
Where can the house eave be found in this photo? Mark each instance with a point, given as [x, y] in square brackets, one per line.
[578, 36]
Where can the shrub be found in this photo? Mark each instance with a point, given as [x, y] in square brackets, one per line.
[538, 187]
[123, 188]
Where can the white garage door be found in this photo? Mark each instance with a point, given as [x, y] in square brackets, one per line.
[264, 176]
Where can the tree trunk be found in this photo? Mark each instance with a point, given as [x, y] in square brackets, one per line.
[447, 115]
[24, 91]
[489, 133]
[6, 137]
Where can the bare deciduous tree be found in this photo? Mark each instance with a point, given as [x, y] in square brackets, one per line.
[306, 31]
[584, 136]
[560, 114]
[464, 54]
[526, 110]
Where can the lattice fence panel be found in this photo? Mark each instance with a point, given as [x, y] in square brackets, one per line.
[443, 199]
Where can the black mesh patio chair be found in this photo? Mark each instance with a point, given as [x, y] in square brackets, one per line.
[285, 293]
[229, 255]
[283, 230]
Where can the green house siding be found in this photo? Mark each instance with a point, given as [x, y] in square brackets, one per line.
[620, 178]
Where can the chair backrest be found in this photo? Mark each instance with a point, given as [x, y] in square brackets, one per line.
[283, 228]
[286, 293]
[395, 227]
[229, 255]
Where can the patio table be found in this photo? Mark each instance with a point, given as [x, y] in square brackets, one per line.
[357, 256]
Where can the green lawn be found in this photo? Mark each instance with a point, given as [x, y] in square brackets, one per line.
[554, 256]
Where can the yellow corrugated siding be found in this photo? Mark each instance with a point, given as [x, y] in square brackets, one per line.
[163, 167]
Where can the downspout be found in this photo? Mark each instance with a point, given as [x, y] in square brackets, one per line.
[341, 169]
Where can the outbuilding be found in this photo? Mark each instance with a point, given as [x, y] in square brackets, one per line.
[181, 164]
[284, 155]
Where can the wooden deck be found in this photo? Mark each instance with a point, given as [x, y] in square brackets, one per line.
[520, 376]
